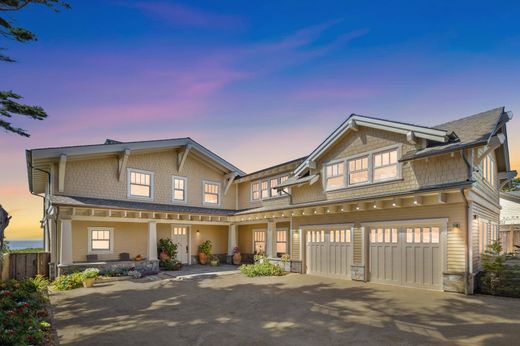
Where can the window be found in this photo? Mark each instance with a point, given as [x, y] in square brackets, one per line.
[335, 177]
[423, 235]
[358, 171]
[265, 189]
[488, 169]
[383, 235]
[259, 241]
[179, 189]
[255, 191]
[100, 240]
[488, 233]
[281, 242]
[385, 165]
[140, 184]
[211, 193]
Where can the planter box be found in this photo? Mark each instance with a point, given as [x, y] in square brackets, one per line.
[285, 265]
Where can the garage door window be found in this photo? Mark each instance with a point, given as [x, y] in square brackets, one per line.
[422, 235]
[316, 237]
[383, 235]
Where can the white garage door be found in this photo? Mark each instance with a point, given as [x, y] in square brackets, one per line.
[406, 256]
[329, 252]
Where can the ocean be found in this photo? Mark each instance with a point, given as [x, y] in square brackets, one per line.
[25, 244]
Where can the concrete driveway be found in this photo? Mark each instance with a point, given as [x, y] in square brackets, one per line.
[291, 310]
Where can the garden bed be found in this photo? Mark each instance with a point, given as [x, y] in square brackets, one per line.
[24, 313]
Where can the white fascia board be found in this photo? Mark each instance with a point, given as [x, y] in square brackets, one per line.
[387, 125]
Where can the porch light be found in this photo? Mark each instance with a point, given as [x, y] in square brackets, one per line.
[342, 209]
[415, 202]
[357, 207]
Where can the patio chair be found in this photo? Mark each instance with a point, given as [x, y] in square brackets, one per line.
[92, 258]
[124, 256]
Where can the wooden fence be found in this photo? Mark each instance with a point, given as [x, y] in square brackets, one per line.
[26, 265]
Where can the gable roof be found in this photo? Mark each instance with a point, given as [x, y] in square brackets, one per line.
[352, 122]
[39, 158]
[471, 131]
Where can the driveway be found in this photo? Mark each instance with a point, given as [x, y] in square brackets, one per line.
[290, 310]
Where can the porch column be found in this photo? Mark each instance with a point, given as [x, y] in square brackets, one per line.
[232, 238]
[269, 247]
[66, 242]
[152, 240]
[52, 240]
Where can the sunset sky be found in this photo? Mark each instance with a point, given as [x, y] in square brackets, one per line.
[266, 78]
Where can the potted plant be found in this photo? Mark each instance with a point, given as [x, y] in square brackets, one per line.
[204, 251]
[89, 276]
[237, 257]
[167, 249]
[214, 261]
[286, 262]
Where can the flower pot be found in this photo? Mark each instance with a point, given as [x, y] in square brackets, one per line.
[203, 258]
[237, 258]
[214, 263]
[88, 282]
[163, 256]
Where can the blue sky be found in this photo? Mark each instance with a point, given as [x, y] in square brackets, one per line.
[252, 76]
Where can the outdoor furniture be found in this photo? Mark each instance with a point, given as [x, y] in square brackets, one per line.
[124, 256]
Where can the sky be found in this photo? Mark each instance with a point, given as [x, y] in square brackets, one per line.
[257, 82]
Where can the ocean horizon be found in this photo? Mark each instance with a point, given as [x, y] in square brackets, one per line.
[25, 244]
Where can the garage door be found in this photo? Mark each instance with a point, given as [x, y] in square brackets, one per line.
[329, 252]
[406, 256]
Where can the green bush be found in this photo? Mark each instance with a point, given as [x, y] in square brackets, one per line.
[169, 265]
[261, 269]
[205, 247]
[23, 313]
[167, 245]
[493, 267]
[38, 283]
[68, 282]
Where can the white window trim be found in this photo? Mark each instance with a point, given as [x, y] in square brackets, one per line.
[135, 170]
[287, 240]
[111, 237]
[204, 182]
[259, 191]
[185, 189]
[335, 162]
[253, 238]
[370, 156]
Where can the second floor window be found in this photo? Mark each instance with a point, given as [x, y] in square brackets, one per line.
[255, 191]
[358, 171]
[265, 189]
[488, 170]
[335, 176]
[385, 165]
[179, 189]
[140, 184]
[211, 193]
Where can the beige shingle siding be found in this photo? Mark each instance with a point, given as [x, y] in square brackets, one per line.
[490, 191]
[415, 174]
[99, 178]
[486, 214]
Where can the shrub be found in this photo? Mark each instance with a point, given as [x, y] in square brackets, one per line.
[40, 282]
[68, 282]
[205, 247]
[493, 267]
[261, 269]
[169, 265]
[23, 313]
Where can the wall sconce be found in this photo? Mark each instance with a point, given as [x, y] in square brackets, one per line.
[456, 225]
[198, 231]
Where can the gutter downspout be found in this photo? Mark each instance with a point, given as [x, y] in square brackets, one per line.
[468, 223]
[35, 194]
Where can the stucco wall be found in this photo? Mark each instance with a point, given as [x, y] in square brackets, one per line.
[128, 237]
[99, 178]
[218, 235]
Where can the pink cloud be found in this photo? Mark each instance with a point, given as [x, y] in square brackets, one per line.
[188, 16]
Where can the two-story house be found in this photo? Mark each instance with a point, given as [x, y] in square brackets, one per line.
[377, 200]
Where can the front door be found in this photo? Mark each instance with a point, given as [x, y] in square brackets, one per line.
[180, 237]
